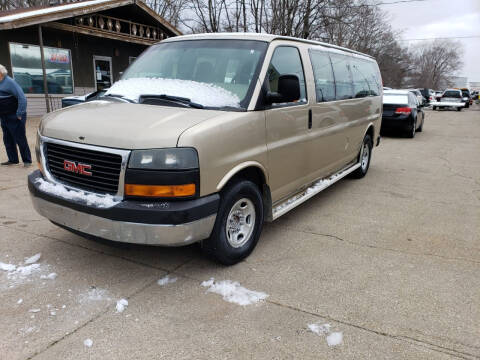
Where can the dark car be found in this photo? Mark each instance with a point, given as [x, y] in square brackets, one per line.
[467, 97]
[74, 100]
[427, 95]
[402, 112]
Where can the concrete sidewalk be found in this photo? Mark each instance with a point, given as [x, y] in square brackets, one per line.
[391, 261]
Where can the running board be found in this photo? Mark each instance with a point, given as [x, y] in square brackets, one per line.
[311, 191]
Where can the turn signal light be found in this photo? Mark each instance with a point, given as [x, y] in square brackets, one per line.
[160, 190]
[403, 110]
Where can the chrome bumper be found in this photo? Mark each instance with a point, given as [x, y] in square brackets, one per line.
[136, 233]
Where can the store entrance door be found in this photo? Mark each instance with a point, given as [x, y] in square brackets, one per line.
[102, 67]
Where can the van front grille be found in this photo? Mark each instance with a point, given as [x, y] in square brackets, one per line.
[65, 163]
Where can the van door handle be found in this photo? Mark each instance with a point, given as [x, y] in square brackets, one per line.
[309, 118]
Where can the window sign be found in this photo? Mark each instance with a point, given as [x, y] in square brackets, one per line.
[27, 69]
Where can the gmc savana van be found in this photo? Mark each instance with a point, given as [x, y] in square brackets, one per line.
[207, 136]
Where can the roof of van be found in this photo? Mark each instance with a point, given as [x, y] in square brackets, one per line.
[260, 37]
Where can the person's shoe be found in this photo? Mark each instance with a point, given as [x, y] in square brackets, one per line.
[27, 164]
[7, 163]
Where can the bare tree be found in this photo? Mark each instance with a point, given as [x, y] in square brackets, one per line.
[170, 10]
[434, 62]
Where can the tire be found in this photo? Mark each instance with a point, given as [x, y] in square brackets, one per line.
[420, 128]
[412, 129]
[434, 108]
[367, 145]
[459, 109]
[230, 247]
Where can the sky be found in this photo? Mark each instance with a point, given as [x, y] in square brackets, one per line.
[420, 19]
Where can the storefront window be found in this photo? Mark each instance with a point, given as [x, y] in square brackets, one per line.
[27, 69]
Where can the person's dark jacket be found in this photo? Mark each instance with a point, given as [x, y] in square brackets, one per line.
[8, 105]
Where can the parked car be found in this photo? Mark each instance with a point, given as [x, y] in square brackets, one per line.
[207, 136]
[466, 97]
[74, 100]
[428, 95]
[418, 94]
[402, 112]
[451, 99]
[438, 95]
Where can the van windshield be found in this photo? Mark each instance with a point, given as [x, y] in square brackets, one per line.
[212, 73]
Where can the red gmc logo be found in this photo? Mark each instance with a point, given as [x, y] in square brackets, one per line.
[77, 168]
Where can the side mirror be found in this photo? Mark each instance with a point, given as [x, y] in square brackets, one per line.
[288, 90]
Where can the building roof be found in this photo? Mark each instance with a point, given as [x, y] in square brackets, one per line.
[260, 37]
[37, 15]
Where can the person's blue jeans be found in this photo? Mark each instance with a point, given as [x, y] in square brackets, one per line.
[14, 134]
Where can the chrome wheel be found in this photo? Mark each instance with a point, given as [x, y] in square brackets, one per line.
[365, 156]
[240, 223]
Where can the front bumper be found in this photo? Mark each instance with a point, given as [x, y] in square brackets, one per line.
[167, 223]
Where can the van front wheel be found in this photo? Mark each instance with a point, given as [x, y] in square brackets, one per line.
[364, 158]
[238, 224]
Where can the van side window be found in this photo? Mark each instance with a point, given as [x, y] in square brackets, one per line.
[323, 74]
[343, 77]
[360, 75]
[375, 79]
[365, 78]
[286, 60]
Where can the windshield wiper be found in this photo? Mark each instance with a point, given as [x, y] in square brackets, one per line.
[149, 99]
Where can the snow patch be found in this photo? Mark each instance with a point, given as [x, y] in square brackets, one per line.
[33, 259]
[233, 292]
[7, 267]
[93, 294]
[88, 342]
[51, 276]
[121, 305]
[197, 92]
[319, 329]
[166, 280]
[334, 339]
[101, 201]
[34, 310]
[19, 301]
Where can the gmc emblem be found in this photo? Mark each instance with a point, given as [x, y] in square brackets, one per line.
[77, 168]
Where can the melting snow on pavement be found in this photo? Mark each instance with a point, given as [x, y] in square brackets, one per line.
[21, 272]
[51, 276]
[59, 190]
[233, 292]
[121, 305]
[88, 342]
[166, 280]
[93, 294]
[333, 338]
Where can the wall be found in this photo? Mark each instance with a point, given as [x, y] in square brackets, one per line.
[82, 48]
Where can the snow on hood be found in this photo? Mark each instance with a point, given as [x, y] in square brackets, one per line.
[197, 92]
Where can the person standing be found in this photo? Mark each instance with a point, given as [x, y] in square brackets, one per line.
[13, 116]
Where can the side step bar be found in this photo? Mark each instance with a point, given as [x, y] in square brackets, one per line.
[311, 191]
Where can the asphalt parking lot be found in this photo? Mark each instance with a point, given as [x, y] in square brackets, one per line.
[391, 262]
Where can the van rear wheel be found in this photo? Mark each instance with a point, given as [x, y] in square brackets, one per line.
[364, 158]
[238, 224]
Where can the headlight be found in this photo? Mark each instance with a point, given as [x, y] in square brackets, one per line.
[164, 159]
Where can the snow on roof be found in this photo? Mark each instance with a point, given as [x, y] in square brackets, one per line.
[51, 10]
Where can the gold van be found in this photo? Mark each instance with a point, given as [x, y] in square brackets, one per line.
[207, 136]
